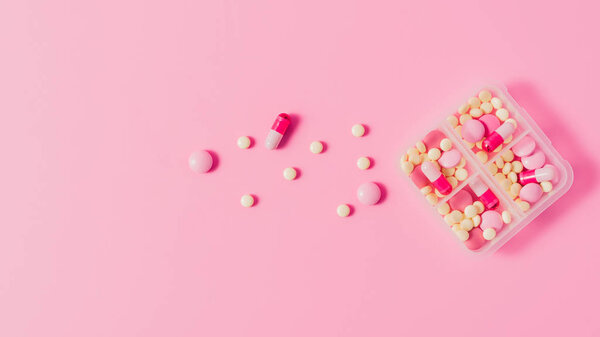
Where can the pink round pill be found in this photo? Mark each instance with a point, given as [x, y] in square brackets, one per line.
[368, 193]
[491, 219]
[200, 161]
[433, 139]
[534, 161]
[476, 239]
[450, 158]
[524, 147]
[418, 178]
[473, 131]
[490, 123]
[531, 193]
[460, 200]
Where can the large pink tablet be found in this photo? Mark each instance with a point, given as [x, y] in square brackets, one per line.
[534, 161]
[200, 161]
[491, 219]
[450, 158]
[461, 200]
[531, 193]
[490, 123]
[524, 147]
[472, 131]
[368, 193]
[475, 240]
[433, 139]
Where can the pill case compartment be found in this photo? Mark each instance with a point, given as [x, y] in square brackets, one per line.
[526, 126]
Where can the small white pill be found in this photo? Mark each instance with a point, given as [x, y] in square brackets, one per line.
[512, 177]
[470, 211]
[457, 216]
[434, 154]
[508, 156]
[452, 120]
[289, 173]
[476, 220]
[243, 142]
[507, 168]
[524, 205]
[453, 181]
[461, 174]
[464, 108]
[517, 166]
[448, 171]
[489, 234]
[515, 188]
[446, 144]
[506, 217]
[421, 147]
[358, 130]
[482, 156]
[415, 159]
[444, 208]
[407, 167]
[343, 210]
[426, 190]
[479, 205]
[502, 114]
[474, 102]
[496, 102]
[546, 186]
[485, 95]
[316, 147]
[476, 112]
[486, 107]
[448, 219]
[466, 224]
[462, 235]
[492, 168]
[363, 163]
[247, 200]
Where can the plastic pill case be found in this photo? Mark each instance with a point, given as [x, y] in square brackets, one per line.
[521, 214]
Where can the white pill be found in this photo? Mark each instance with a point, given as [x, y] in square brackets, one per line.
[446, 144]
[444, 208]
[507, 168]
[453, 181]
[506, 217]
[479, 205]
[470, 211]
[316, 147]
[434, 154]
[476, 112]
[247, 200]
[489, 234]
[452, 120]
[289, 173]
[466, 224]
[407, 167]
[517, 166]
[508, 156]
[462, 235]
[482, 156]
[243, 142]
[474, 102]
[464, 108]
[476, 220]
[485, 95]
[524, 205]
[496, 102]
[343, 210]
[461, 174]
[502, 114]
[363, 163]
[448, 219]
[358, 130]
[457, 216]
[421, 147]
[486, 107]
[512, 176]
[546, 186]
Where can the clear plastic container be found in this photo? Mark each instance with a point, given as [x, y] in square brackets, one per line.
[526, 127]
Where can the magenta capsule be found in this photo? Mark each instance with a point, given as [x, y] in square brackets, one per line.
[485, 195]
[537, 176]
[498, 136]
[277, 131]
[436, 177]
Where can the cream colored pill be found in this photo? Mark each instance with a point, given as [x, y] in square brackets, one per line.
[448, 171]
[492, 168]
[452, 120]
[463, 108]
[479, 205]
[247, 200]
[499, 162]
[517, 166]
[496, 102]
[462, 235]
[499, 176]
[448, 219]
[421, 147]
[470, 211]
[506, 168]
[363, 163]
[439, 194]
[485, 95]
[407, 167]
[476, 112]
[474, 102]
[243, 142]
[482, 156]
[502, 114]
[316, 147]
[412, 152]
[505, 184]
[508, 156]
[512, 177]
[426, 190]
[546, 186]
[443, 208]
[358, 130]
[476, 221]
[524, 205]
[461, 174]
[455, 227]
[434, 154]
[453, 181]
[415, 159]
[515, 188]
[506, 217]
[446, 144]
[466, 224]
[464, 118]
[489, 234]
[343, 210]
[486, 107]
[289, 173]
[431, 198]
[498, 149]
[457, 216]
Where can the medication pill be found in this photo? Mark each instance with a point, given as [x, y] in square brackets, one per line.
[369, 193]
[426, 190]
[485, 95]
[490, 123]
[448, 171]
[515, 189]
[474, 102]
[418, 178]
[277, 131]
[436, 177]
[531, 193]
[462, 235]
[316, 147]
[484, 193]
[512, 177]
[506, 217]
[457, 216]
[452, 120]
[496, 102]
[476, 113]
[482, 156]
[431, 198]
[534, 161]
[445, 144]
[489, 233]
[363, 163]
[470, 211]
[480, 207]
[507, 168]
[476, 220]
[358, 130]
[453, 182]
[546, 186]
[421, 147]
[464, 118]
[289, 173]
[505, 184]
[434, 154]
[415, 159]
[407, 167]
[498, 149]
[517, 166]
[243, 142]
[247, 200]
[486, 107]
[412, 152]
[439, 194]
[455, 227]
[443, 208]
[508, 156]
[463, 108]
[524, 205]
[524, 147]
[461, 174]
[448, 219]
[537, 175]
[475, 240]
[343, 210]
[466, 224]
[492, 168]
[499, 177]
[502, 114]
[473, 130]
[433, 139]
[491, 219]
[460, 200]
[495, 139]
[450, 158]
[200, 161]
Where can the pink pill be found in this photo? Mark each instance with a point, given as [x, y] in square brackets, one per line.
[490, 123]
[491, 219]
[418, 177]
[524, 147]
[368, 193]
[450, 158]
[473, 131]
[534, 161]
[200, 161]
[433, 139]
[531, 193]
[461, 200]
[476, 239]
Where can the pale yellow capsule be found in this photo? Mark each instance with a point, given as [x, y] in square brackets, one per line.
[474, 102]
[464, 118]
[508, 139]
[457, 216]
[486, 107]
[476, 220]
[452, 120]
[485, 95]
[476, 113]
[482, 156]
[492, 168]
[499, 162]
[508, 156]
[515, 188]
[415, 159]
[407, 167]
[426, 190]
[524, 205]
[546, 186]
[496, 102]
[434, 154]
[453, 181]
[517, 166]
[463, 108]
[489, 234]
[461, 174]
[448, 171]
[443, 208]
[470, 211]
[502, 114]
[506, 217]
[506, 168]
[439, 194]
[431, 198]
[446, 144]
[421, 147]
[448, 219]
[498, 149]
[479, 205]
[462, 235]
[512, 177]
[462, 163]
[466, 224]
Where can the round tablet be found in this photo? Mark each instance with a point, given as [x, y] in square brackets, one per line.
[489, 233]
[247, 200]
[473, 130]
[243, 142]
[316, 147]
[531, 192]
[450, 158]
[289, 173]
[475, 240]
[461, 200]
[490, 123]
[358, 130]
[343, 210]
[491, 219]
[200, 161]
[524, 147]
[534, 161]
[368, 193]
[363, 163]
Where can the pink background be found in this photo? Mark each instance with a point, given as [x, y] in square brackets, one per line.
[104, 231]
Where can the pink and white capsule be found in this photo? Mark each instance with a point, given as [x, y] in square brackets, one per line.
[485, 195]
[277, 131]
[537, 176]
[497, 137]
[436, 177]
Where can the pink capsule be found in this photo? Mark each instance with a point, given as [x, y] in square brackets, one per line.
[497, 137]
[537, 176]
[485, 195]
[436, 177]
[277, 131]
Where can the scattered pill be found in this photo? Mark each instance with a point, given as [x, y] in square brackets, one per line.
[407, 167]
[426, 190]
[445, 144]
[358, 130]
[464, 118]
[369, 193]
[363, 163]
[453, 182]
[492, 168]
[421, 147]
[243, 142]
[200, 161]
[436, 177]
[463, 108]
[476, 220]
[507, 168]
[473, 130]
[448, 219]
[496, 138]
[512, 176]
[466, 224]
[476, 113]
[470, 211]
[489, 233]
[448, 171]
[431, 198]
[531, 193]
[517, 166]
[486, 107]
[457, 216]
[482, 156]
[546, 186]
[343, 210]
[289, 173]
[480, 207]
[515, 189]
[434, 154]
[316, 147]
[524, 205]
[277, 131]
[506, 217]
[502, 114]
[247, 200]
[534, 161]
[496, 102]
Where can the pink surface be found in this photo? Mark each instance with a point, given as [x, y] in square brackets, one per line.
[105, 231]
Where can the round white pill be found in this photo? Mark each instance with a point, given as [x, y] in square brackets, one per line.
[452, 120]
[421, 147]
[407, 167]
[466, 224]
[486, 107]
[444, 208]
[446, 144]
[479, 205]
[475, 112]
[489, 233]
[496, 102]
[485, 95]
[546, 186]
[243, 142]
[461, 174]
[316, 147]
[434, 154]
[470, 211]
[502, 114]
[363, 163]
[462, 235]
[289, 173]
[474, 102]
[343, 210]
[464, 108]
[358, 130]
[247, 200]
[476, 220]
[506, 218]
